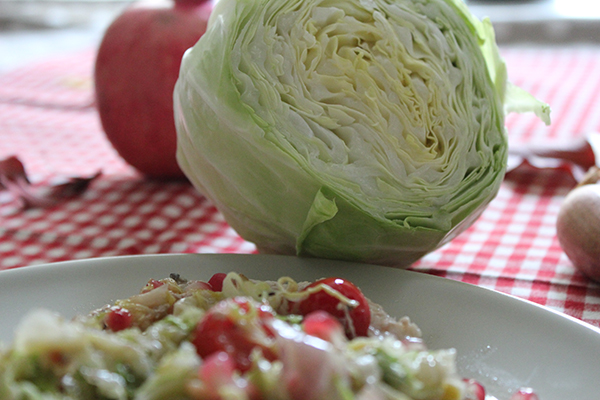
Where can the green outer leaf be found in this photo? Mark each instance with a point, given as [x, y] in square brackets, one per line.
[356, 236]
[323, 209]
[518, 100]
[515, 99]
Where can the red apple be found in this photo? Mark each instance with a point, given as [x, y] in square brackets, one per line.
[136, 69]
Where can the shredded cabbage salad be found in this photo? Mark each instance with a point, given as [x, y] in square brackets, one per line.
[231, 338]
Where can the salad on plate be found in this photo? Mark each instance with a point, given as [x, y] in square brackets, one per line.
[232, 337]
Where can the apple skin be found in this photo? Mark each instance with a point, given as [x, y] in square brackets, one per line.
[136, 68]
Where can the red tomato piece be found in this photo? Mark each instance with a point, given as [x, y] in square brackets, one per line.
[218, 331]
[118, 319]
[355, 319]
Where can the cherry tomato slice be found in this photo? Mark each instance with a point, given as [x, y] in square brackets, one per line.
[356, 320]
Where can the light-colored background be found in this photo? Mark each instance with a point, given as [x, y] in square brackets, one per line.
[33, 29]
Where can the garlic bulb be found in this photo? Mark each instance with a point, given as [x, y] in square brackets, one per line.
[578, 229]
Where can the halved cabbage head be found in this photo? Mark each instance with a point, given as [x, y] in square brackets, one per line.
[364, 130]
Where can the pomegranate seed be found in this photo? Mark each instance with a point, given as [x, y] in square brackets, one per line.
[475, 390]
[57, 357]
[118, 319]
[152, 284]
[216, 281]
[524, 394]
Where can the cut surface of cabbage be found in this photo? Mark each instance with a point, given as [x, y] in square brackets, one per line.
[364, 130]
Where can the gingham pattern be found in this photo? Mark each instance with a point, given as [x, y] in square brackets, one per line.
[513, 248]
[47, 118]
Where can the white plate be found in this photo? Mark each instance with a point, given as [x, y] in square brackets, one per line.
[502, 341]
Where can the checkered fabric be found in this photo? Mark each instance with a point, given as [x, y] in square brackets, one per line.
[48, 119]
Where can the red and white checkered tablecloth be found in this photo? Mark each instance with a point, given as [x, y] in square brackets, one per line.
[47, 119]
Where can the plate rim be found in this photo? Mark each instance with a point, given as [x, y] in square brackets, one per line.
[88, 263]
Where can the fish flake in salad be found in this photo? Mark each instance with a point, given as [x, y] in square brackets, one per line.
[232, 337]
